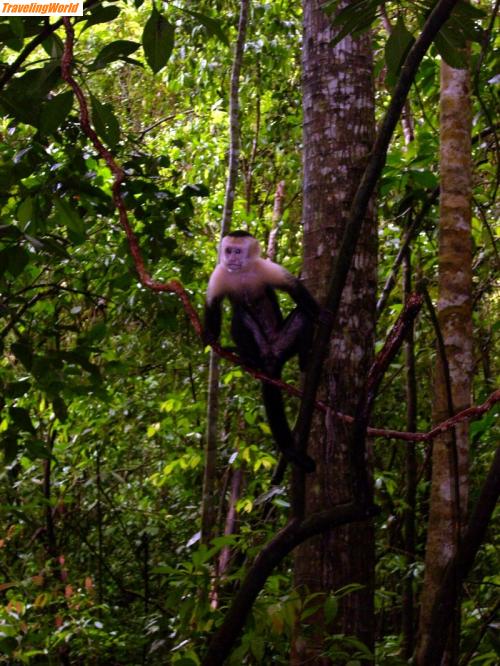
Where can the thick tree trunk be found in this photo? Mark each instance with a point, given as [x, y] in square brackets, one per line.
[338, 133]
[450, 452]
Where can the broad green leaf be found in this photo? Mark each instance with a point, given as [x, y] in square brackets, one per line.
[25, 95]
[9, 446]
[117, 50]
[14, 259]
[6, 32]
[105, 122]
[20, 108]
[453, 56]
[25, 211]
[21, 418]
[425, 178]
[354, 18]
[212, 26]
[36, 448]
[69, 217]
[157, 40]
[397, 46]
[331, 609]
[23, 352]
[52, 246]
[17, 389]
[101, 14]
[467, 10]
[54, 46]
[60, 409]
[17, 27]
[9, 231]
[55, 111]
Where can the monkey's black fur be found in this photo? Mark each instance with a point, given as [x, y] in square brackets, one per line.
[264, 339]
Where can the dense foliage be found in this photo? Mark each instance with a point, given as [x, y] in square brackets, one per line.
[103, 382]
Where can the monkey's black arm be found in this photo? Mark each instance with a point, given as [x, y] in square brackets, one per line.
[303, 298]
[213, 321]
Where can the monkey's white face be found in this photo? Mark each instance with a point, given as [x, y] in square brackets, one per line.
[234, 257]
[237, 254]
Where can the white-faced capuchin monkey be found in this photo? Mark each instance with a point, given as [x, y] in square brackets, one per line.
[263, 338]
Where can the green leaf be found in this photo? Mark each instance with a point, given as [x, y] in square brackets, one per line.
[354, 18]
[21, 419]
[36, 448]
[157, 40]
[117, 50]
[211, 25]
[25, 211]
[21, 108]
[466, 10]
[97, 332]
[453, 56]
[60, 409]
[101, 14]
[425, 179]
[9, 445]
[53, 246]
[10, 231]
[25, 95]
[54, 112]
[105, 122]
[399, 43]
[23, 352]
[331, 609]
[69, 217]
[17, 389]
[14, 259]
[54, 46]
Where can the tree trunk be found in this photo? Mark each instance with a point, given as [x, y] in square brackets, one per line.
[452, 388]
[338, 133]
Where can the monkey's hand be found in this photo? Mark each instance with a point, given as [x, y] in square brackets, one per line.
[209, 338]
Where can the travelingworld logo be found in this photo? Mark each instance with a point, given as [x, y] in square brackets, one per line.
[41, 8]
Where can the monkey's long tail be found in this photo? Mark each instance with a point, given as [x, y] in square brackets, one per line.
[276, 416]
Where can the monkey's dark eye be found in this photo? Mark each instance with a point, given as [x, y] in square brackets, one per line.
[237, 251]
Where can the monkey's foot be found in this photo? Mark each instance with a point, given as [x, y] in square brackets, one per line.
[302, 460]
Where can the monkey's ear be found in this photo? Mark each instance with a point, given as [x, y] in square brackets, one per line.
[253, 248]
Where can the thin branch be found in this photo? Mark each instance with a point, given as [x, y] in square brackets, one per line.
[365, 404]
[408, 237]
[234, 119]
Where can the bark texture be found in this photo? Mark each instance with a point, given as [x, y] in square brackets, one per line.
[338, 134]
[450, 452]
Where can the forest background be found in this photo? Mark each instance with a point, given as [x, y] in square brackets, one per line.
[123, 541]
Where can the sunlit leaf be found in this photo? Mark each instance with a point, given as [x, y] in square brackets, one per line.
[157, 40]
